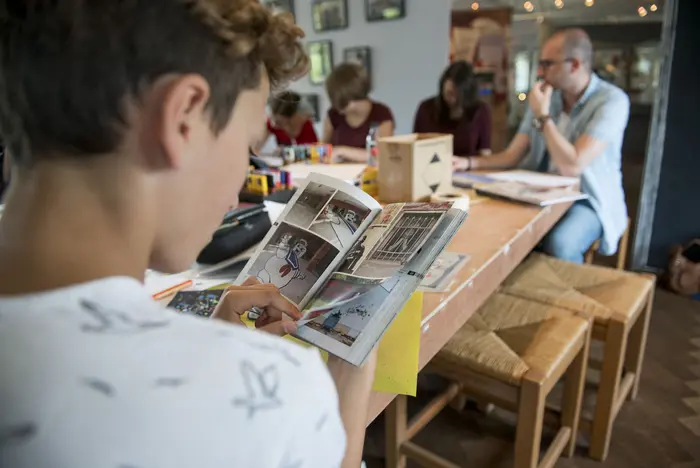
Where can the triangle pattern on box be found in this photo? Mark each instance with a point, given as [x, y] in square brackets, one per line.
[434, 187]
[436, 159]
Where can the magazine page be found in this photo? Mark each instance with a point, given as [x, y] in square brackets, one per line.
[532, 194]
[440, 276]
[311, 237]
[357, 303]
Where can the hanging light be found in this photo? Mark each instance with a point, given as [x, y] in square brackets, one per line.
[642, 11]
[559, 4]
[475, 6]
[589, 3]
[653, 7]
[528, 6]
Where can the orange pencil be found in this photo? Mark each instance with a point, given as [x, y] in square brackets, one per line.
[172, 290]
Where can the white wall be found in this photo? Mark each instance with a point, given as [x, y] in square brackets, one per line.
[408, 55]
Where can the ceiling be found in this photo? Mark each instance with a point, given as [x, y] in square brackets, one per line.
[574, 11]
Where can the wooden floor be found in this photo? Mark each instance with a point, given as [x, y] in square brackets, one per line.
[659, 430]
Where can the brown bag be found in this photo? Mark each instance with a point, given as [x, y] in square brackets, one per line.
[683, 275]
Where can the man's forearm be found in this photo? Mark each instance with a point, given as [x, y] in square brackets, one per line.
[504, 160]
[562, 153]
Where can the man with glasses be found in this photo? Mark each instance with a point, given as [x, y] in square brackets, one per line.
[574, 126]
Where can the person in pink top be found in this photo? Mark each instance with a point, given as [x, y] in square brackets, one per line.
[353, 113]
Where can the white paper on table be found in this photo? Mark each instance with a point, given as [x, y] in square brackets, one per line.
[274, 210]
[537, 179]
[156, 282]
[345, 172]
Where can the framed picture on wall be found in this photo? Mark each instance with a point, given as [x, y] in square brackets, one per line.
[310, 103]
[384, 10]
[361, 55]
[329, 15]
[321, 57]
[280, 5]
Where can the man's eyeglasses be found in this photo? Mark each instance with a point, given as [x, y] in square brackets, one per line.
[546, 63]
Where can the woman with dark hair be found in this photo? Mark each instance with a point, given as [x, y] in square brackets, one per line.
[290, 120]
[457, 110]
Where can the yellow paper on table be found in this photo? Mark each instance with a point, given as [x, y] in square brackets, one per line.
[397, 362]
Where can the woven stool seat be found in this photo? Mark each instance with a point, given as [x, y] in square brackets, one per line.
[510, 336]
[595, 291]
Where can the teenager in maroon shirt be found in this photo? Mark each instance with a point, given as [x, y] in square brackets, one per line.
[291, 121]
[352, 113]
[457, 110]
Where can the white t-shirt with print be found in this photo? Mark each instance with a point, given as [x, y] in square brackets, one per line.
[100, 376]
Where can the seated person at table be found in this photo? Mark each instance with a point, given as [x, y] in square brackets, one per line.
[290, 122]
[457, 110]
[574, 126]
[138, 172]
[352, 113]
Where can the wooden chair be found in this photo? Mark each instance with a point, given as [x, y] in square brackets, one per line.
[511, 353]
[621, 249]
[620, 303]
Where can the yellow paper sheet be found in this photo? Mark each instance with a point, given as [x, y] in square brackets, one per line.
[397, 362]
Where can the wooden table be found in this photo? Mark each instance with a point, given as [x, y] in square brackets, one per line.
[498, 235]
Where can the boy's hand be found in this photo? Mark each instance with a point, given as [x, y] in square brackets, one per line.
[278, 314]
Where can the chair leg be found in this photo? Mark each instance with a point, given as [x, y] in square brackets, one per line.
[395, 432]
[529, 429]
[637, 345]
[572, 399]
[610, 376]
[622, 249]
[459, 402]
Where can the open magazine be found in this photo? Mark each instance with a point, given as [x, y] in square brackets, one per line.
[349, 264]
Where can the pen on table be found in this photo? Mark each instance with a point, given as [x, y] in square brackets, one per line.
[236, 221]
[172, 290]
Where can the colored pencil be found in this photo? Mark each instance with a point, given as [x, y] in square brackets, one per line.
[172, 290]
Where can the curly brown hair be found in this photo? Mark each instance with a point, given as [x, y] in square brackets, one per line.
[68, 67]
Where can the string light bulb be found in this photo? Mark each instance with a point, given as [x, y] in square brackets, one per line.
[528, 6]
[522, 97]
[589, 3]
[475, 6]
[653, 7]
[559, 4]
[642, 11]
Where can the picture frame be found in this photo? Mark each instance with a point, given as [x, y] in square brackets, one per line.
[329, 15]
[321, 58]
[280, 5]
[361, 55]
[311, 102]
[385, 10]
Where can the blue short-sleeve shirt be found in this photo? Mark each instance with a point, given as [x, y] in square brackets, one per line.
[602, 113]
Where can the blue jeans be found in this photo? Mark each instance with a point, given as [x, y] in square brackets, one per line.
[574, 234]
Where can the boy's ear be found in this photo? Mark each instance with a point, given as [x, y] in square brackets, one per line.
[181, 118]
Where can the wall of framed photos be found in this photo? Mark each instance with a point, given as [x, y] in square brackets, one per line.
[405, 52]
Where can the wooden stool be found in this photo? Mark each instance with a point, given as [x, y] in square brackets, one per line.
[511, 353]
[620, 303]
[621, 250]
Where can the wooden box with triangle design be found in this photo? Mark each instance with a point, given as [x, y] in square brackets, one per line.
[413, 167]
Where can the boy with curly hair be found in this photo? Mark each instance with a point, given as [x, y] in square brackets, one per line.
[129, 124]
